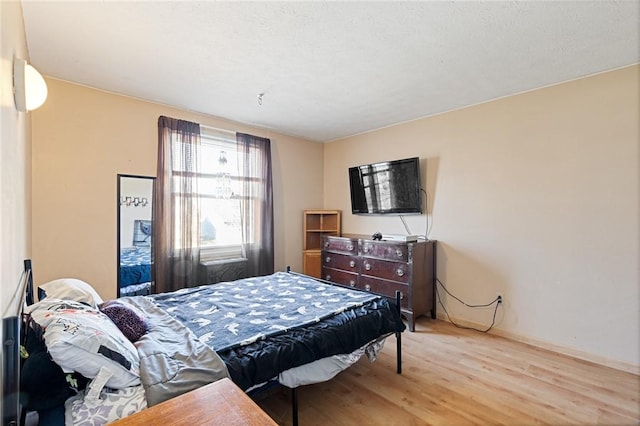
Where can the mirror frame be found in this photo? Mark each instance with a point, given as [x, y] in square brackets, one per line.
[118, 225]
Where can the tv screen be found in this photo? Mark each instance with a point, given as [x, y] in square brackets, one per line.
[386, 187]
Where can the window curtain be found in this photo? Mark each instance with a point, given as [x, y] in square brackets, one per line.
[176, 207]
[256, 206]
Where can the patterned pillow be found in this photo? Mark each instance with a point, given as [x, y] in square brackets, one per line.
[83, 339]
[112, 405]
[127, 318]
[98, 405]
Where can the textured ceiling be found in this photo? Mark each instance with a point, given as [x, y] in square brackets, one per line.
[327, 69]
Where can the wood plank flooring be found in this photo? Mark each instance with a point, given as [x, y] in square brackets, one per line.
[453, 376]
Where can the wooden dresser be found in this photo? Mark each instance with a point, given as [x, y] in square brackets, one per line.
[218, 403]
[383, 267]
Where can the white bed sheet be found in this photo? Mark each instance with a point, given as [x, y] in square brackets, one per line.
[327, 368]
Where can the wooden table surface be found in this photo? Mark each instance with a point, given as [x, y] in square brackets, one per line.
[220, 403]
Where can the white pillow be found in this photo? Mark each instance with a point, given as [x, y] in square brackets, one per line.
[72, 289]
[83, 339]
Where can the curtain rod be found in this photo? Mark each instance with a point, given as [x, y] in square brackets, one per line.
[217, 129]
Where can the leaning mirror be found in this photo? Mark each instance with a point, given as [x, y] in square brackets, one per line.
[135, 225]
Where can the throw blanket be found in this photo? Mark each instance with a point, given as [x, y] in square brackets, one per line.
[172, 360]
[234, 314]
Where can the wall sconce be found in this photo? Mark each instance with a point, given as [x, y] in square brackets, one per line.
[29, 87]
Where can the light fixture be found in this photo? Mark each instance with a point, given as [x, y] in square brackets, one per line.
[223, 180]
[29, 87]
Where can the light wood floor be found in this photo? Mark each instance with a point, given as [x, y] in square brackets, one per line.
[460, 377]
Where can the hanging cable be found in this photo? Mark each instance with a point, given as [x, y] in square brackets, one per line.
[426, 214]
[406, 227]
[495, 311]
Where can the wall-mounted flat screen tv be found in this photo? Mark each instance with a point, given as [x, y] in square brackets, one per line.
[388, 187]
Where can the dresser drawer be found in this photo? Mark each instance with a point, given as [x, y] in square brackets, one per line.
[386, 288]
[343, 245]
[341, 261]
[382, 267]
[395, 271]
[345, 278]
[399, 252]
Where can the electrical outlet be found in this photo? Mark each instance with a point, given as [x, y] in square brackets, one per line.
[500, 297]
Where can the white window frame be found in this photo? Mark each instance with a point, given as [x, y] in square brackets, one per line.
[221, 251]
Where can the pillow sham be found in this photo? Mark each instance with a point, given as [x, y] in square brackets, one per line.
[111, 405]
[83, 339]
[129, 320]
[72, 289]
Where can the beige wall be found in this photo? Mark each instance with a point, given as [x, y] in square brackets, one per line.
[15, 153]
[535, 196]
[82, 138]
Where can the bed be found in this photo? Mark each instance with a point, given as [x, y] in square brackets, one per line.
[135, 262]
[135, 271]
[284, 328]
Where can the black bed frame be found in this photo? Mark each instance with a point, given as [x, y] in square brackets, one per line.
[294, 394]
[10, 370]
[12, 413]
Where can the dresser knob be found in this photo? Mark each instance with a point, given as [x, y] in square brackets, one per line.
[399, 253]
[367, 287]
[349, 247]
[367, 266]
[366, 249]
[328, 277]
[352, 264]
[400, 272]
[352, 283]
[326, 244]
[327, 259]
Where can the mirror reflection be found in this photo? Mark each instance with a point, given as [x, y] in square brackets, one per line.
[135, 224]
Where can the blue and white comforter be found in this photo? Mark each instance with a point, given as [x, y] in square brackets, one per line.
[135, 266]
[232, 314]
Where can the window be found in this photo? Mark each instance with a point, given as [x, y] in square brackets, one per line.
[214, 202]
[218, 189]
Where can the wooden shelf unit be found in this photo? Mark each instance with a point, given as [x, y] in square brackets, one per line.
[317, 224]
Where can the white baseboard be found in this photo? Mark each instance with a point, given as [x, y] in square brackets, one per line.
[553, 347]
